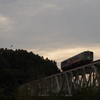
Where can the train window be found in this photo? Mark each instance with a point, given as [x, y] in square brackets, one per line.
[79, 56]
[91, 53]
[88, 54]
[85, 54]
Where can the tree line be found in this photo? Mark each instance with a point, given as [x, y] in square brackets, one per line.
[86, 93]
[20, 66]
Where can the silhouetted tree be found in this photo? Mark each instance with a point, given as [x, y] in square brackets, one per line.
[19, 66]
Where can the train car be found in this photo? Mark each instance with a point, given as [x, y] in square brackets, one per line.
[77, 60]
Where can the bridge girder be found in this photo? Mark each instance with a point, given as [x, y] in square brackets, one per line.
[66, 82]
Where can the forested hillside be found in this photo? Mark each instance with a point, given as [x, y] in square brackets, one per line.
[18, 67]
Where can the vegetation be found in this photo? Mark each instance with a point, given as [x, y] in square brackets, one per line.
[88, 93]
[19, 67]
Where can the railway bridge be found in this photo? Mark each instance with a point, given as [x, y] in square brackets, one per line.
[66, 82]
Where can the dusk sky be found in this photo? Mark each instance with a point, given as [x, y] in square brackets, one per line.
[57, 29]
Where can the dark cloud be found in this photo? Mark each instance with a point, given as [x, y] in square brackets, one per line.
[49, 23]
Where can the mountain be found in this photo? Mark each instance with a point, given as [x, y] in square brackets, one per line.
[20, 66]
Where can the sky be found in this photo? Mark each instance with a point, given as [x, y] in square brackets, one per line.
[57, 29]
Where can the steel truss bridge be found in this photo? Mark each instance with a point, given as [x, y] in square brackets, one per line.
[66, 82]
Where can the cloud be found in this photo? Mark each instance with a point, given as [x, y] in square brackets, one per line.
[51, 27]
[5, 26]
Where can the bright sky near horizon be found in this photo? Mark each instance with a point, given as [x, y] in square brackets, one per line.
[57, 29]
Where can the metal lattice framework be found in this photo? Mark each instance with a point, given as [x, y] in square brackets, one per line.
[66, 82]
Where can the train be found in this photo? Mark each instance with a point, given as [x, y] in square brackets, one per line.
[77, 60]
